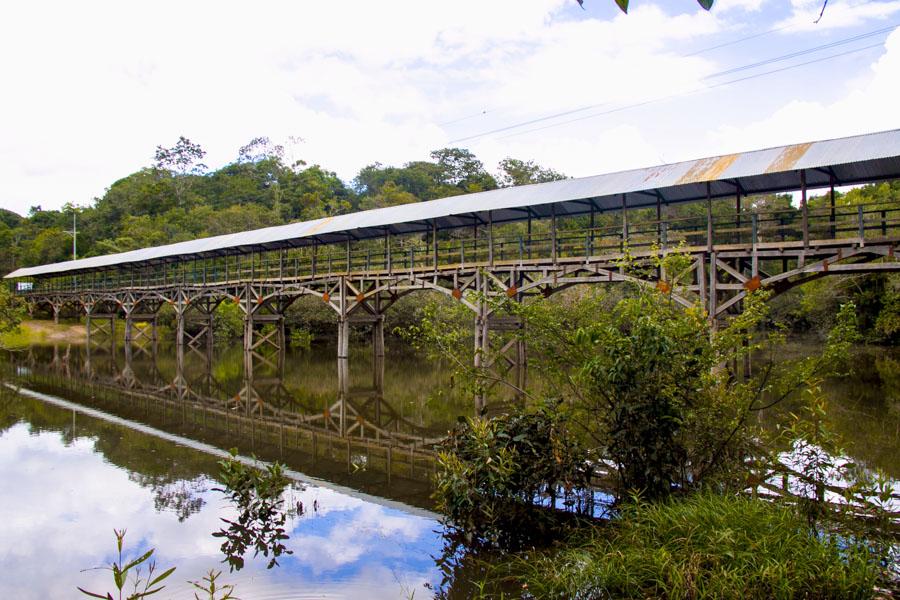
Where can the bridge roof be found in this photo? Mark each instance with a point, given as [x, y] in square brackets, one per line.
[850, 160]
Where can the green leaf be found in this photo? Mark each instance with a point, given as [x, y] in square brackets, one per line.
[161, 577]
[138, 561]
[706, 4]
[623, 4]
[93, 595]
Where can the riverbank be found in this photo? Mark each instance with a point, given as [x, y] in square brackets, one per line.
[44, 332]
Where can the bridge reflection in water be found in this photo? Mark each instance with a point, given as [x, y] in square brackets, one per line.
[328, 425]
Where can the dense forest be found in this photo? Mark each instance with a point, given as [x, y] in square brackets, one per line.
[178, 198]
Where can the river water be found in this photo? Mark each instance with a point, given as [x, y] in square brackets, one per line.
[91, 441]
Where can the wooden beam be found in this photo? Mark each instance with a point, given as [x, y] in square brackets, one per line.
[804, 208]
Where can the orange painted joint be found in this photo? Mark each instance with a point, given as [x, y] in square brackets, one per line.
[663, 286]
[360, 297]
[752, 284]
[326, 297]
[512, 291]
[456, 293]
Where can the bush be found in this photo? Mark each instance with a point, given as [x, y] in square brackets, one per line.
[494, 474]
[706, 546]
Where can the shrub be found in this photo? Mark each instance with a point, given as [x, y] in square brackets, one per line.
[705, 546]
[493, 473]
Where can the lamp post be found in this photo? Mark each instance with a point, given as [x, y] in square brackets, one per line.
[74, 232]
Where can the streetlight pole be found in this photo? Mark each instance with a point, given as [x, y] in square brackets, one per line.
[74, 233]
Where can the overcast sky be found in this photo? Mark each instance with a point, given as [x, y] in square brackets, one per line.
[89, 89]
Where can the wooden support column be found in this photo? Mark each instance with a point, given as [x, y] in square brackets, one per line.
[434, 244]
[482, 340]
[528, 231]
[491, 237]
[658, 221]
[343, 341]
[831, 202]
[713, 292]
[624, 243]
[709, 220]
[737, 210]
[553, 232]
[315, 256]
[804, 208]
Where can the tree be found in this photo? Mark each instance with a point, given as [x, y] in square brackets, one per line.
[523, 172]
[11, 311]
[181, 161]
[260, 148]
[460, 168]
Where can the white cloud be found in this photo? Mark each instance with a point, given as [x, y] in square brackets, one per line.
[93, 90]
[863, 109]
[838, 14]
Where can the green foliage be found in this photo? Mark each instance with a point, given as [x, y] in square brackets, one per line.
[523, 172]
[257, 495]
[142, 586]
[229, 321]
[301, 338]
[706, 546]
[12, 311]
[211, 590]
[493, 472]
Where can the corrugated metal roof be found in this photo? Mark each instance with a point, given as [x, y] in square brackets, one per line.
[850, 160]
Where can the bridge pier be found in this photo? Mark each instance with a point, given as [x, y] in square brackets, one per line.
[264, 330]
[141, 310]
[100, 321]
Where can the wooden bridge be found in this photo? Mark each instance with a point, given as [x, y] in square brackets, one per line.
[517, 242]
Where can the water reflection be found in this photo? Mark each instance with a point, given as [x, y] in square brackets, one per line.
[335, 420]
[69, 478]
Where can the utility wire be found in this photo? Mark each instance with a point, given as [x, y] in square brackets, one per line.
[734, 70]
[775, 59]
[698, 90]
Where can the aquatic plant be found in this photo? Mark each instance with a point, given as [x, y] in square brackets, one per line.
[257, 495]
[142, 585]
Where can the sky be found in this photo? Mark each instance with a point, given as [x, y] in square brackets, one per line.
[89, 90]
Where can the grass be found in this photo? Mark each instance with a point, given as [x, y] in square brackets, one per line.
[41, 332]
[706, 546]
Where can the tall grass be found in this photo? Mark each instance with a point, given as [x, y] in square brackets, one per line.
[706, 546]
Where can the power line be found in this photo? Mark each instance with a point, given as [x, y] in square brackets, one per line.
[698, 90]
[775, 59]
[734, 70]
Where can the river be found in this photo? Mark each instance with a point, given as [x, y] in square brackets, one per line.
[95, 441]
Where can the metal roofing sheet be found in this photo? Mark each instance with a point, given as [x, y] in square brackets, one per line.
[849, 160]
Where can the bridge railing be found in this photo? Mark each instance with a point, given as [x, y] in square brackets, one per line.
[571, 241]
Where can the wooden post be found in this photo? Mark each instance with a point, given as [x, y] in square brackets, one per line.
[713, 292]
[804, 208]
[831, 202]
[434, 244]
[624, 224]
[593, 225]
[491, 237]
[553, 232]
[709, 223]
[348, 253]
[387, 247]
[658, 221]
[737, 207]
[343, 347]
[529, 232]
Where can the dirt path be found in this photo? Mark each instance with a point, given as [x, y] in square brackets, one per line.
[48, 331]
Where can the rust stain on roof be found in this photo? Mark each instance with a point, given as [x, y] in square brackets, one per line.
[318, 226]
[788, 158]
[708, 169]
